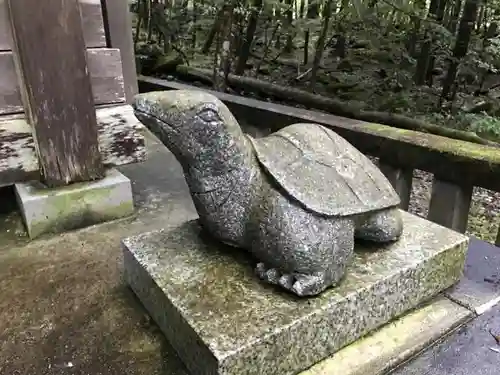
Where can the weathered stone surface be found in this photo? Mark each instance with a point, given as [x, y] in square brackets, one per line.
[75, 206]
[295, 199]
[395, 342]
[222, 320]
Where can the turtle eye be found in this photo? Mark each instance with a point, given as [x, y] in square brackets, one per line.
[208, 115]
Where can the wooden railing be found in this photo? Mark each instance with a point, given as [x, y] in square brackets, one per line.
[456, 166]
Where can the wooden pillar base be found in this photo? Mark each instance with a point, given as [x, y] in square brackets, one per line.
[55, 210]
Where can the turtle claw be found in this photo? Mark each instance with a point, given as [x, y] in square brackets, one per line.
[271, 275]
[299, 284]
[286, 282]
[260, 270]
[308, 285]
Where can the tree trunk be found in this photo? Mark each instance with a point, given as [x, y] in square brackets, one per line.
[219, 19]
[267, 47]
[485, 17]
[141, 16]
[249, 36]
[194, 31]
[226, 40]
[320, 45]
[490, 33]
[480, 17]
[341, 45]
[425, 50]
[302, 9]
[312, 12]
[465, 29]
[411, 42]
[289, 26]
[151, 5]
[432, 59]
[452, 25]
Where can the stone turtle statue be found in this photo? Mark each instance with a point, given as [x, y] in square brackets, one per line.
[296, 199]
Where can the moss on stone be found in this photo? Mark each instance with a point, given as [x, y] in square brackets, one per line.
[72, 207]
[438, 143]
[79, 219]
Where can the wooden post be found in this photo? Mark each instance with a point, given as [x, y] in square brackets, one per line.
[450, 205]
[50, 58]
[118, 27]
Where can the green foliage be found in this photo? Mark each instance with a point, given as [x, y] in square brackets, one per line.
[373, 48]
[484, 124]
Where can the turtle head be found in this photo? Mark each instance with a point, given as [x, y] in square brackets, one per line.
[196, 126]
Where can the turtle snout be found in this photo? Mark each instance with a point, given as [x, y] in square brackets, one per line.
[144, 103]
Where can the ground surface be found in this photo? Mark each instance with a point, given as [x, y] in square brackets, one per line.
[65, 309]
[63, 305]
[472, 350]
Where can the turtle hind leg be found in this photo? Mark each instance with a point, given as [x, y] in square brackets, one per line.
[320, 264]
[381, 226]
[299, 284]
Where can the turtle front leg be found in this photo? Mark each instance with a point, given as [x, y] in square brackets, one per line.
[314, 261]
[381, 226]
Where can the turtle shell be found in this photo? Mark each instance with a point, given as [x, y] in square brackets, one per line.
[323, 171]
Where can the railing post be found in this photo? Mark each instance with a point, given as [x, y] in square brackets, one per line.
[450, 204]
[50, 57]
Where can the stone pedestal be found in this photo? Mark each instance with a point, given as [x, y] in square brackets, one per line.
[75, 206]
[222, 320]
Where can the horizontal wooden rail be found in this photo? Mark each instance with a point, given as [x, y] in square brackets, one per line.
[105, 73]
[452, 160]
[457, 166]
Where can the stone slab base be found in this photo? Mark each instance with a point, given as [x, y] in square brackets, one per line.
[396, 342]
[76, 206]
[222, 320]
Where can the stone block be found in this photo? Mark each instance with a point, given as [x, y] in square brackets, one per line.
[222, 320]
[47, 210]
[396, 342]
